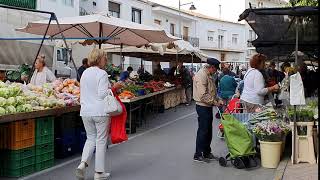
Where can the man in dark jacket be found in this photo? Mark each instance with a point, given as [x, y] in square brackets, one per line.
[82, 68]
[186, 82]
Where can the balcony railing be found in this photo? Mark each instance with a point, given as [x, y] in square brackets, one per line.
[249, 43]
[83, 12]
[29, 4]
[192, 40]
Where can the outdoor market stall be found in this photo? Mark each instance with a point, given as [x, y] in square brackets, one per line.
[282, 31]
[164, 52]
[40, 123]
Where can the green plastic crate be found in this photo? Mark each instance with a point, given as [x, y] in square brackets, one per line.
[45, 139]
[44, 157]
[44, 148]
[15, 159]
[44, 165]
[18, 172]
[44, 130]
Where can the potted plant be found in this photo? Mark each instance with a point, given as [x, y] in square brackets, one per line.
[270, 134]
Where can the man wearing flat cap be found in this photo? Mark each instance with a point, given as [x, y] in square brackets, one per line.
[205, 95]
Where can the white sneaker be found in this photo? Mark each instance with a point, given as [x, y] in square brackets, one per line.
[81, 171]
[102, 176]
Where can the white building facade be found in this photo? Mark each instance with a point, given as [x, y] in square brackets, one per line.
[24, 51]
[221, 39]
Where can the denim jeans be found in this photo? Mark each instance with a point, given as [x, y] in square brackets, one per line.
[204, 133]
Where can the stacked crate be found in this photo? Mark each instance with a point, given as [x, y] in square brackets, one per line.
[44, 143]
[65, 140]
[17, 142]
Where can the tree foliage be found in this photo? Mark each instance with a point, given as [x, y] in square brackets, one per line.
[303, 3]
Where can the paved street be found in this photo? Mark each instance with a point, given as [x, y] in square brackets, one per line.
[163, 153]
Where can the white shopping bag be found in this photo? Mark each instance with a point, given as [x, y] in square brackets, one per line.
[296, 90]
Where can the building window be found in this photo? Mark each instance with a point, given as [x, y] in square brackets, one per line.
[156, 21]
[235, 39]
[172, 29]
[260, 4]
[223, 55]
[220, 41]
[252, 35]
[114, 9]
[68, 2]
[253, 6]
[185, 33]
[221, 38]
[210, 35]
[136, 15]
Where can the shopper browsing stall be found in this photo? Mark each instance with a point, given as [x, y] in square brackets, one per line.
[42, 74]
[205, 95]
[255, 89]
[94, 88]
[186, 82]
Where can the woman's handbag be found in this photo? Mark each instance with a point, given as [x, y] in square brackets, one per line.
[112, 106]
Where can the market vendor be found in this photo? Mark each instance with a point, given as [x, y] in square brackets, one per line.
[159, 73]
[126, 74]
[42, 74]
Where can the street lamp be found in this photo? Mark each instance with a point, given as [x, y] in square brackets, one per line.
[192, 7]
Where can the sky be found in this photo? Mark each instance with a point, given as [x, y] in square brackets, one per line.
[230, 9]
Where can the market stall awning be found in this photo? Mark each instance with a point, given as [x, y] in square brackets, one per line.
[100, 29]
[164, 52]
[276, 30]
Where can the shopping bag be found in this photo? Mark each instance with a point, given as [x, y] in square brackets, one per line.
[118, 125]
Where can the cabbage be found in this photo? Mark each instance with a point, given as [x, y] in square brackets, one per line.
[2, 111]
[11, 101]
[10, 110]
[4, 92]
[2, 84]
[20, 108]
[14, 91]
[20, 100]
[27, 107]
[3, 102]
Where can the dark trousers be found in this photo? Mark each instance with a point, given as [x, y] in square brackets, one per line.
[204, 133]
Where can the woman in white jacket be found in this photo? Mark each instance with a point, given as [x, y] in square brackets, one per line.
[94, 85]
[255, 88]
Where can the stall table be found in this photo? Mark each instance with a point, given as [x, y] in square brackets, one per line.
[134, 105]
[40, 113]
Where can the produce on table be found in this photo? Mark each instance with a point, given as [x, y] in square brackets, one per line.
[126, 95]
[155, 86]
[263, 115]
[17, 98]
[2, 111]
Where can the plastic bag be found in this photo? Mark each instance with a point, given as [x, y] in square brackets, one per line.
[118, 126]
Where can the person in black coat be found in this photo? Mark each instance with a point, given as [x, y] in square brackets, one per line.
[82, 68]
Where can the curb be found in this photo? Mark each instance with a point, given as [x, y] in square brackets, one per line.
[281, 168]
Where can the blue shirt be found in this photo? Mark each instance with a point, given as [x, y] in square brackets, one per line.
[228, 86]
[124, 75]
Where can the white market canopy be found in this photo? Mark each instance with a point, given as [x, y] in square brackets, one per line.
[100, 29]
[164, 52]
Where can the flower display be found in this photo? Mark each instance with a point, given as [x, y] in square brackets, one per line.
[271, 131]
